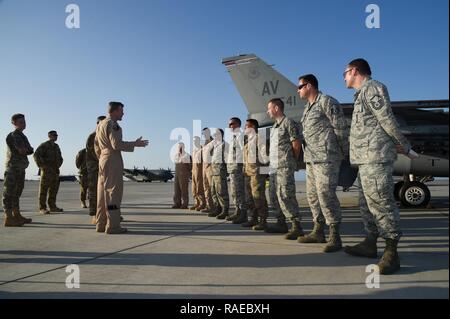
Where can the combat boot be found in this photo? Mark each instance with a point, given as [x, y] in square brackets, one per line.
[116, 231]
[200, 208]
[261, 225]
[19, 217]
[390, 262]
[242, 218]
[279, 228]
[11, 221]
[252, 222]
[56, 210]
[44, 211]
[223, 215]
[317, 235]
[367, 248]
[334, 241]
[83, 204]
[295, 232]
[215, 212]
[234, 215]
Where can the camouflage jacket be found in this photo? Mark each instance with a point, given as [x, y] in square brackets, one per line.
[81, 162]
[235, 156]
[254, 155]
[218, 156]
[48, 156]
[91, 157]
[282, 134]
[374, 130]
[18, 148]
[325, 131]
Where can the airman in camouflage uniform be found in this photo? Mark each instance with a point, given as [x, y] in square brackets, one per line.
[18, 148]
[82, 172]
[92, 169]
[285, 148]
[219, 187]
[375, 140]
[48, 158]
[254, 158]
[235, 169]
[325, 136]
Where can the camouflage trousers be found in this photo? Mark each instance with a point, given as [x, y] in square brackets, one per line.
[207, 186]
[84, 187]
[321, 183]
[255, 192]
[13, 185]
[273, 196]
[92, 186]
[237, 189]
[219, 189]
[287, 199]
[48, 189]
[379, 211]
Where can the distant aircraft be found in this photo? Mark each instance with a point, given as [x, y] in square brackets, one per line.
[424, 123]
[148, 175]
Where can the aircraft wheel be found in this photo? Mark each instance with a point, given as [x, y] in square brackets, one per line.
[397, 189]
[415, 194]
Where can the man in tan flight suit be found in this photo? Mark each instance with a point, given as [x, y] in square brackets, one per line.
[109, 147]
[183, 170]
[197, 177]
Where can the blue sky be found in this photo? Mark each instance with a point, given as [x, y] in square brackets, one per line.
[162, 59]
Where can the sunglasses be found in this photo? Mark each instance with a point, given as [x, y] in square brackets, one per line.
[301, 86]
[346, 71]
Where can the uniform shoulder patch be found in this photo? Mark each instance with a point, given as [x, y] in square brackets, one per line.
[377, 102]
[334, 109]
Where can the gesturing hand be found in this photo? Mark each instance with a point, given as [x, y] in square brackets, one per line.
[141, 143]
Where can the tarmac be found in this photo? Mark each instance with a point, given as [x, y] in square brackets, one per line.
[170, 253]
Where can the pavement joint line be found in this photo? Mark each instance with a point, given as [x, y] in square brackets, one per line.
[236, 285]
[87, 260]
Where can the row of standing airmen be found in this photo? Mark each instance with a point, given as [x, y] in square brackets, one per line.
[371, 145]
[374, 141]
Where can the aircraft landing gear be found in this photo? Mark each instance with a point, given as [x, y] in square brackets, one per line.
[412, 193]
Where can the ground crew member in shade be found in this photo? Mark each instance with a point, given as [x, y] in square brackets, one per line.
[18, 148]
[235, 169]
[108, 148]
[325, 145]
[254, 158]
[49, 160]
[219, 186]
[83, 173]
[207, 177]
[375, 140]
[183, 171]
[92, 169]
[197, 177]
[285, 148]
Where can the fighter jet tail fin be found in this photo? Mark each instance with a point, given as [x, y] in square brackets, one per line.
[258, 83]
